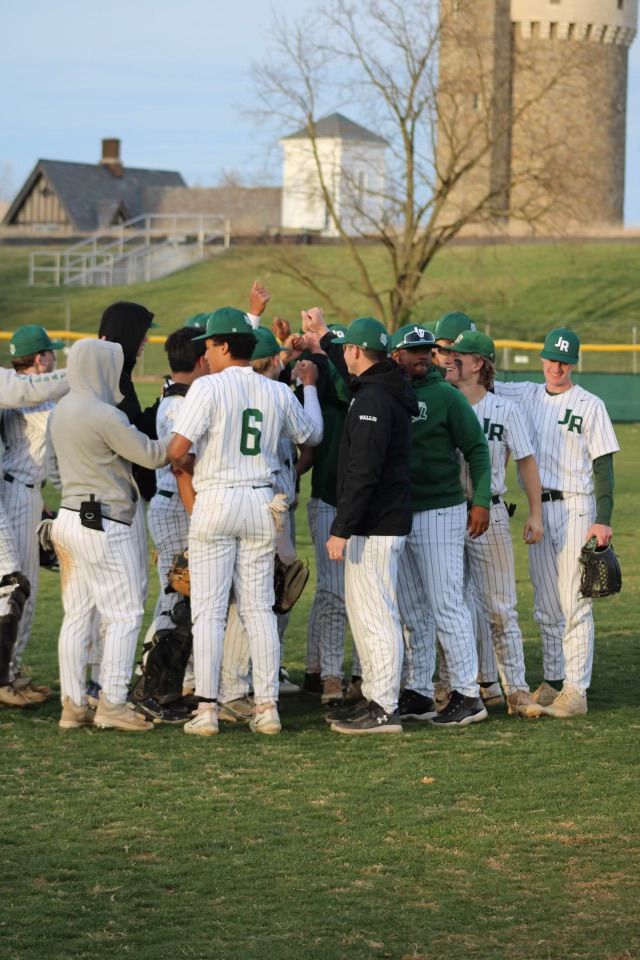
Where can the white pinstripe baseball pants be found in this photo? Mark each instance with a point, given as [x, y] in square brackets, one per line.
[9, 562]
[168, 523]
[370, 580]
[566, 620]
[328, 617]
[492, 573]
[232, 542]
[23, 506]
[419, 629]
[99, 570]
[235, 672]
[96, 645]
[435, 550]
[235, 669]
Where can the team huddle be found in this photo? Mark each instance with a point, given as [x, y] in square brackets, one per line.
[407, 437]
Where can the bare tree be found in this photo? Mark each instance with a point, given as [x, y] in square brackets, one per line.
[434, 79]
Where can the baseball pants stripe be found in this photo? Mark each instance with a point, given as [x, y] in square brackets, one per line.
[436, 546]
[98, 571]
[371, 575]
[9, 561]
[419, 627]
[328, 617]
[232, 542]
[169, 528]
[566, 622]
[492, 574]
[235, 672]
[23, 506]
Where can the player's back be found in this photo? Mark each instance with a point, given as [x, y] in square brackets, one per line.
[235, 419]
[24, 432]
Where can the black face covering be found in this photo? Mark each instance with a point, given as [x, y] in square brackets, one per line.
[127, 324]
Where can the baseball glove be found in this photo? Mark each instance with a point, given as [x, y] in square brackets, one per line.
[164, 659]
[48, 556]
[600, 571]
[179, 579]
[288, 583]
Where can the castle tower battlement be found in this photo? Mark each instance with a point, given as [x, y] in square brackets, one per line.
[596, 21]
[550, 77]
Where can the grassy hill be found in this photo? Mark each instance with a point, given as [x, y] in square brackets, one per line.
[516, 291]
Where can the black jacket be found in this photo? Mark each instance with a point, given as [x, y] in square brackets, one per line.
[127, 323]
[374, 486]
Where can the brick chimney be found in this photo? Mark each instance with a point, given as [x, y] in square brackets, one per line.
[111, 156]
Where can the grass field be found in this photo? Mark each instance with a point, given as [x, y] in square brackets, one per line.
[511, 839]
[518, 291]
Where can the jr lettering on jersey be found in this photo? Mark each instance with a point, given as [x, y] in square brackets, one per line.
[571, 421]
[493, 431]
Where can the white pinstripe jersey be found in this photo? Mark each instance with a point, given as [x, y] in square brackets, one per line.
[234, 420]
[24, 431]
[166, 416]
[285, 479]
[506, 433]
[569, 430]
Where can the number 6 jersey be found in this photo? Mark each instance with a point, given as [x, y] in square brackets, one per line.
[234, 420]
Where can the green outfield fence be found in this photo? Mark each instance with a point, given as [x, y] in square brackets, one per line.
[610, 370]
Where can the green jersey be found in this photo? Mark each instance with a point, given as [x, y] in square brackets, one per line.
[445, 425]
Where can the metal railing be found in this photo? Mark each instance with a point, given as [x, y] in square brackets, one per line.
[139, 250]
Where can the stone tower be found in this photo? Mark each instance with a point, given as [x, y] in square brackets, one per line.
[540, 87]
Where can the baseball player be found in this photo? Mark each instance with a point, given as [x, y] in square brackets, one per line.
[234, 420]
[447, 330]
[431, 579]
[328, 616]
[235, 674]
[490, 561]
[128, 324]
[17, 391]
[574, 444]
[24, 434]
[92, 446]
[167, 518]
[373, 518]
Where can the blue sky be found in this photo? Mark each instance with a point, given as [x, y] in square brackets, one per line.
[172, 80]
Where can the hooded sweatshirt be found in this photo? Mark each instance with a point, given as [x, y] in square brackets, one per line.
[127, 323]
[92, 441]
[374, 486]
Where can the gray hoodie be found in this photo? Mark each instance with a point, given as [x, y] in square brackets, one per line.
[91, 440]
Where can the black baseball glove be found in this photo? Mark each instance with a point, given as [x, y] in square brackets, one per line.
[288, 583]
[600, 571]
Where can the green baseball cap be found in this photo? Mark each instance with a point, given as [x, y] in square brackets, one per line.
[562, 345]
[197, 322]
[473, 341]
[32, 339]
[411, 336]
[338, 328]
[267, 345]
[365, 332]
[225, 320]
[451, 325]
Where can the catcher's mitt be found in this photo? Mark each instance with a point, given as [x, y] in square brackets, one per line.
[288, 583]
[179, 579]
[600, 571]
[164, 659]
